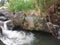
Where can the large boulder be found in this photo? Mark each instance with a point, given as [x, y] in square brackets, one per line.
[31, 22]
[34, 22]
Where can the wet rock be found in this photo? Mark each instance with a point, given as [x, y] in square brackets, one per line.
[1, 43]
[18, 18]
[2, 17]
[1, 14]
[6, 13]
[10, 25]
[31, 22]
[1, 23]
[0, 31]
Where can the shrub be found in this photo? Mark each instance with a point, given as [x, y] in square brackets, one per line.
[21, 5]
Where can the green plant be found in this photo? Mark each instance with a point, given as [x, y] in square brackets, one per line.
[45, 4]
[21, 5]
[26, 5]
[0, 5]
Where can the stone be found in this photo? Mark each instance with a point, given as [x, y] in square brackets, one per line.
[18, 18]
[6, 13]
[29, 22]
[2, 17]
[33, 22]
[10, 25]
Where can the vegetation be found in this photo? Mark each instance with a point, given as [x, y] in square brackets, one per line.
[0, 5]
[26, 5]
[21, 5]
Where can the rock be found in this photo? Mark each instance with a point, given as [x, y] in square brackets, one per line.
[29, 22]
[1, 14]
[18, 18]
[6, 13]
[10, 25]
[1, 32]
[3, 18]
[33, 22]
[1, 23]
[1, 43]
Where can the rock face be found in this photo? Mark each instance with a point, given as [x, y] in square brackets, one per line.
[3, 18]
[28, 22]
[6, 13]
[18, 18]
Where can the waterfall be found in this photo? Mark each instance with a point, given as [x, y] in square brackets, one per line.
[15, 37]
[5, 25]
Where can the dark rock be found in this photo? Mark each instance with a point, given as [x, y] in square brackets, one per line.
[0, 31]
[6, 13]
[10, 25]
[23, 20]
[3, 18]
[1, 43]
[1, 14]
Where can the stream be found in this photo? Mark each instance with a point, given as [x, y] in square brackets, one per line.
[21, 37]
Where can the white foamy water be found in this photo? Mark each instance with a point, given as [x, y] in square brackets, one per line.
[14, 37]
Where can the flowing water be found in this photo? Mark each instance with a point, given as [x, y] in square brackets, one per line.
[21, 37]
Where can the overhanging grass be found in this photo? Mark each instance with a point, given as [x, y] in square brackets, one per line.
[21, 5]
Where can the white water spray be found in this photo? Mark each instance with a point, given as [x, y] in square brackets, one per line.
[14, 37]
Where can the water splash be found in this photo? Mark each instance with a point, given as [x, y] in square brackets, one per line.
[14, 37]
